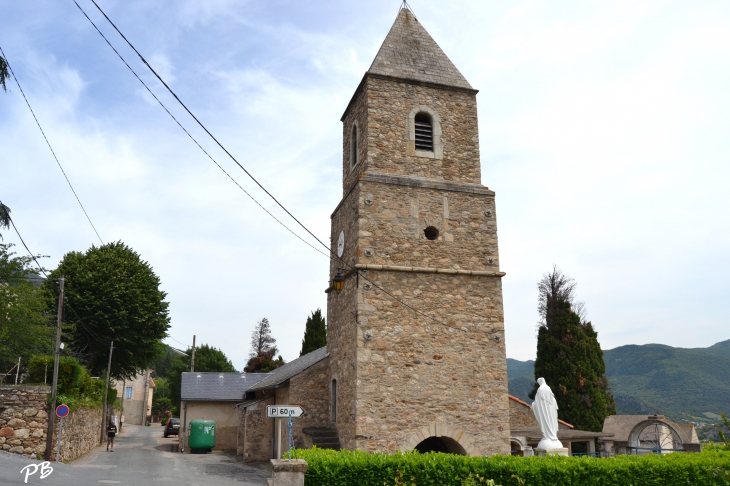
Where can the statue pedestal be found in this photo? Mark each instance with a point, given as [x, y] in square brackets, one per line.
[562, 451]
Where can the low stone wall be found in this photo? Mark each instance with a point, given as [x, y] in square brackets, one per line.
[81, 433]
[24, 421]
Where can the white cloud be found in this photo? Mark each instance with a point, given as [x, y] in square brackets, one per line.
[603, 132]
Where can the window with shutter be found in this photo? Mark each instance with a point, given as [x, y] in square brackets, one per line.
[424, 132]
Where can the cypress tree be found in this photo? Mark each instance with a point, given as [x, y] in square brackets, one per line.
[570, 358]
[315, 333]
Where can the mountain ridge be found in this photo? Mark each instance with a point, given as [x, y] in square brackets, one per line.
[683, 384]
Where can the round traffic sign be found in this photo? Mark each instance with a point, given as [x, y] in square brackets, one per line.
[62, 411]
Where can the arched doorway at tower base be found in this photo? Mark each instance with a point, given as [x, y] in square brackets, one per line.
[440, 444]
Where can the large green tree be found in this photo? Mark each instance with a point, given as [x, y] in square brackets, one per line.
[25, 326]
[315, 333]
[569, 356]
[112, 295]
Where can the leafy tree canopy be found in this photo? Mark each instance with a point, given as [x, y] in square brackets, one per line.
[4, 74]
[315, 333]
[263, 350]
[570, 358]
[4, 215]
[111, 294]
[207, 359]
[26, 328]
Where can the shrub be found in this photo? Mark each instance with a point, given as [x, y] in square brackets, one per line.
[76, 388]
[350, 468]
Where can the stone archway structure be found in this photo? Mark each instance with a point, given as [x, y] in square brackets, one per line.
[462, 440]
[520, 447]
[668, 436]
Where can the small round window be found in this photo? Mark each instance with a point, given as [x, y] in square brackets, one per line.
[431, 232]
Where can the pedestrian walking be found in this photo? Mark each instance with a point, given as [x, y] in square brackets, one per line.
[111, 432]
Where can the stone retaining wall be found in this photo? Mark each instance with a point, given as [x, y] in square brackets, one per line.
[24, 421]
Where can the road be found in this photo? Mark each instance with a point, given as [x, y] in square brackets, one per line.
[141, 456]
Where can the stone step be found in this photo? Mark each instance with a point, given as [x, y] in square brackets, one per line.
[327, 443]
[323, 437]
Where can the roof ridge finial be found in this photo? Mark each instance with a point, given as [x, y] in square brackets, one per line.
[404, 5]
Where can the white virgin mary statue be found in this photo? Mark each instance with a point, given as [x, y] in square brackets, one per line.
[545, 409]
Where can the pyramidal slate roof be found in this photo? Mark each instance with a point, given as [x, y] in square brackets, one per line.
[409, 52]
[290, 369]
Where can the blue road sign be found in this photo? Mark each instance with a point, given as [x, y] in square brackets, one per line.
[62, 411]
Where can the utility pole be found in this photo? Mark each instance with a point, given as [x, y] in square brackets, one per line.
[192, 358]
[106, 391]
[124, 393]
[52, 410]
[145, 396]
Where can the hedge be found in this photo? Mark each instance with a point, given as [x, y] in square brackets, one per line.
[76, 388]
[347, 468]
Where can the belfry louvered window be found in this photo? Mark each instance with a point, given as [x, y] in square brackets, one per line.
[424, 132]
[354, 153]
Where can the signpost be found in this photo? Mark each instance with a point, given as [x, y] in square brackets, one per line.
[279, 412]
[62, 412]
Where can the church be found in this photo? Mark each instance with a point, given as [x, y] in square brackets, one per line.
[415, 355]
[416, 336]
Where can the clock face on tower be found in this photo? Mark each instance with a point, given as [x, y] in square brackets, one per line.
[341, 244]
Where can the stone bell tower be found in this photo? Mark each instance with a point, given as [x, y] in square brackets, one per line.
[416, 337]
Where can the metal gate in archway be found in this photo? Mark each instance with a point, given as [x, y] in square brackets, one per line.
[656, 438]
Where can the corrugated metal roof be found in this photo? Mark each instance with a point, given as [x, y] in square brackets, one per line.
[203, 386]
[283, 373]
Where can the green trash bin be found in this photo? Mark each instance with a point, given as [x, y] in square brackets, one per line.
[201, 436]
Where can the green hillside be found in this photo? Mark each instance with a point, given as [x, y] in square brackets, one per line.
[521, 375]
[683, 384]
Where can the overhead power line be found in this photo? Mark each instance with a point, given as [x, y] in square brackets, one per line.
[190, 136]
[327, 247]
[49, 146]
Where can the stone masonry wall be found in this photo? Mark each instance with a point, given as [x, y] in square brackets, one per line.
[358, 113]
[521, 416]
[389, 104]
[342, 321]
[383, 225]
[256, 433]
[381, 109]
[81, 433]
[311, 389]
[414, 372]
[392, 220]
[24, 421]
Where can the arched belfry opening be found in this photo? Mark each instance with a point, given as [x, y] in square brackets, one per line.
[354, 153]
[447, 445]
[424, 132]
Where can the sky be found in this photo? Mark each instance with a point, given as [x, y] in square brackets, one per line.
[603, 131]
